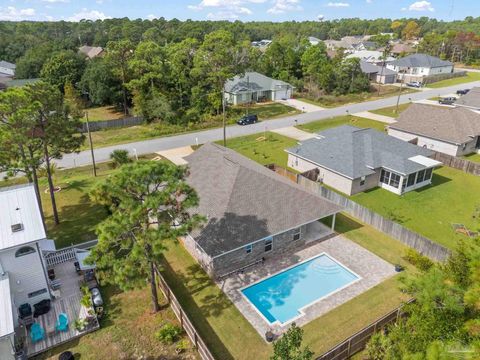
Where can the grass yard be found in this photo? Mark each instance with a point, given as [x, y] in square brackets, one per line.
[334, 101]
[471, 76]
[265, 148]
[127, 331]
[473, 157]
[453, 197]
[391, 110]
[320, 125]
[114, 136]
[104, 113]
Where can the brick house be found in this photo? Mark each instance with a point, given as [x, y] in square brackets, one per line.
[252, 212]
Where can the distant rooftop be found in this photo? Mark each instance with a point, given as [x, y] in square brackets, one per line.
[20, 217]
[7, 65]
[354, 152]
[421, 60]
[91, 51]
[252, 81]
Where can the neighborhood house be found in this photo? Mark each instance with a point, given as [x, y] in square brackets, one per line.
[416, 67]
[352, 160]
[255, 87]
[453, 131]
[23, 271]
[252, 212]
[471, 100]
[377, 73]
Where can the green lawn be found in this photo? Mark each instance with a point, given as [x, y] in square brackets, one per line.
[264, 148]
[471, 76]
[320, 125]
[104, 113]
[392, 110]
[114, 136]
[430, 211]
[473, 157]
[339, 100]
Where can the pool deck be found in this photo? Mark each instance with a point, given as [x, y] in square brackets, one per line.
[372, 270]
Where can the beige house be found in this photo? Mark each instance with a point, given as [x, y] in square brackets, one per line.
[351, 160]
[452, 131]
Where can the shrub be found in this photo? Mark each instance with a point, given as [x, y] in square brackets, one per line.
[119, 157]
[418, 260]
[168, 333]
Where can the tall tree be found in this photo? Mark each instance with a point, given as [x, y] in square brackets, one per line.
[63, 67]
[411, 30]
[317, 69]
[150, 205]
[100, 83]
[118, 55]
[56, 127]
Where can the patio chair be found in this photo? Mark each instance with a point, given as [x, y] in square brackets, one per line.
[62, 322]
[36, 332]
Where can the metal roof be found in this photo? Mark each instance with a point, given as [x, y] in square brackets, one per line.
[245, 202]
[19, 206]
[6, 310]
[355, 152]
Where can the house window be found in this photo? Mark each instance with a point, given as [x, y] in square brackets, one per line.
[362, 181]
[268, 245]
[420, 176]
[248, 248]
[385, 176]
[25, 250]
[428, 174]
[36, 293]
[297, 234]
[394, 180]
[411, 179]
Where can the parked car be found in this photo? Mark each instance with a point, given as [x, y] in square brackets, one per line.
[415, 84]
[248, 119]
[463, 91]
[447, 100]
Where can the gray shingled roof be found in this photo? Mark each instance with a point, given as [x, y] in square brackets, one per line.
[7, 65]
[252, 81]
[369, 68]
[471, 99]
[245, 201]
[453, 125]
[354, 152]
[420, 60]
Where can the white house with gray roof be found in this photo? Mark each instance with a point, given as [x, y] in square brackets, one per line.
[352, 160]
[23, 273]
[255, 87]
[416, 67]
[252, 213]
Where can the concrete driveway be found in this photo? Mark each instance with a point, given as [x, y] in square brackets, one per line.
[294, 133]
[176, 155]
[301, 105]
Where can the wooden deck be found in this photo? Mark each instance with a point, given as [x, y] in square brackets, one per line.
[69, 303]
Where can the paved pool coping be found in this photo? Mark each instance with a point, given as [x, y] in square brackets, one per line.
[372, 270]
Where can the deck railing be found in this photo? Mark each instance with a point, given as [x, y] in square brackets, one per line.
[68, 253]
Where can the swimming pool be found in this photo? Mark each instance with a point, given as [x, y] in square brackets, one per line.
[281, 297]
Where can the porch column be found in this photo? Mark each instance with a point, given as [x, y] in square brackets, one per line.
[333, 222]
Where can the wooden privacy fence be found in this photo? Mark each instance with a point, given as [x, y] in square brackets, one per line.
[107, 124]
[185, 322]
[359, 340]
[464, 165]
[410, 238]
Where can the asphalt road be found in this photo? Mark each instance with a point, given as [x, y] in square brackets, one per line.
[164, 143]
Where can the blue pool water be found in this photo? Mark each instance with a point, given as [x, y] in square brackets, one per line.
[280, 297]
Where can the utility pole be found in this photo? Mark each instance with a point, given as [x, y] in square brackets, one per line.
[91, 144]
[249, 93]
[224, 120]
[399, 94]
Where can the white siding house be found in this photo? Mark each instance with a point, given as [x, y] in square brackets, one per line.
[415, 67]
[23, 274]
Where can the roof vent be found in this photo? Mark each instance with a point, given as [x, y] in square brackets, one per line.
[17, 227]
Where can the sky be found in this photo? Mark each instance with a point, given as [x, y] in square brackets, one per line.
[244, 10]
